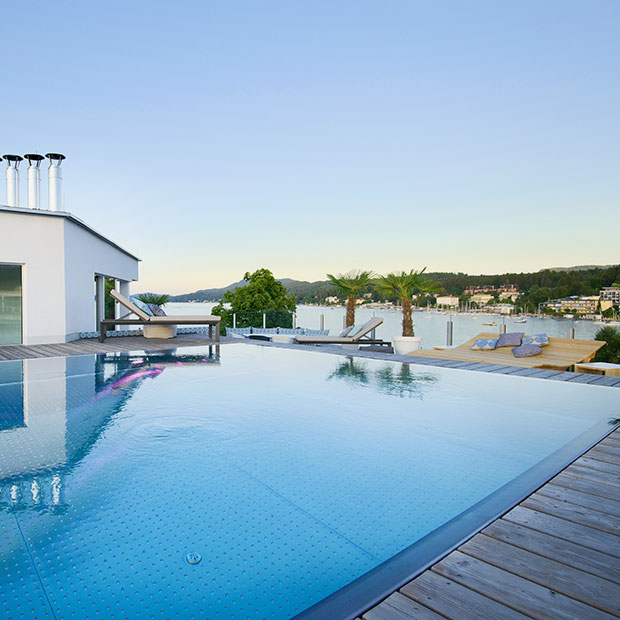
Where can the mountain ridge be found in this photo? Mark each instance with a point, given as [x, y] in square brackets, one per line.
[453, 282]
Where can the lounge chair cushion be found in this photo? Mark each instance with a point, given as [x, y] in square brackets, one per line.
[484, 344]
[542, 340]
[359, 331]
[527, 350]
[140, 304]
[316, 332]
[354, 329]
[513, 339]
[346, 331]
[156, 310]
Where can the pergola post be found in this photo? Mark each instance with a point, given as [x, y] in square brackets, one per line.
[99, 300]
[122, 288]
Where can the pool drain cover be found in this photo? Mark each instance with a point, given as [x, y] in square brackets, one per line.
[193, 558]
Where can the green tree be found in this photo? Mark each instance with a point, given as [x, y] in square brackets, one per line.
[350, 285]
[610, 352]
[404, 286]
[108, 304]
[262, 294]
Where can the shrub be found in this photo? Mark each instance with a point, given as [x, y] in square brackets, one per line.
[610, 352]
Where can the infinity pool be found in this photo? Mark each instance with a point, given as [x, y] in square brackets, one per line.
[300, 482]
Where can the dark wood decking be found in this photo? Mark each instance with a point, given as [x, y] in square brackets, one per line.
[555, 555]
[82, 347]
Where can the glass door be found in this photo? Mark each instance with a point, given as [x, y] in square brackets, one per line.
[10, 304]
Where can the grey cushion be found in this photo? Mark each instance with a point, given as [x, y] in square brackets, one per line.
[484, 344]
[156, 310]
[354, 330]
[316, 332]
[140, 304]
[359, 331]
[346, 331]
[527, 350]
[510, 340]
[542, 340]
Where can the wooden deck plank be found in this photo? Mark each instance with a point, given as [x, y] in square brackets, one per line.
[610, 439]
[574, 513]
[568, 530]
[453, 600]
[548, 573]
[594, 474]
[605, 457]
[611, 449]
[592, 502]
[599, 465]
[586, 486]
[564, 551]
[399, 607]
[519, 593]
[85, 347]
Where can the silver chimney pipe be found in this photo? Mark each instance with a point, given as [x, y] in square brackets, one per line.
[34, 179]
[54, 181]
[12, 179]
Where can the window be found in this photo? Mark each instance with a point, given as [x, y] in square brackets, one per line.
[10, 304]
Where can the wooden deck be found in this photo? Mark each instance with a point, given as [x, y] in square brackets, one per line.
[559, 354]
[82, 347]
[554, 556]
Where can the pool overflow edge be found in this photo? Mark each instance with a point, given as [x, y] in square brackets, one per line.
[388, 577]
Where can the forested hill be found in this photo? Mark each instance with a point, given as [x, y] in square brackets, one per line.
[537, 287]
[304, 291]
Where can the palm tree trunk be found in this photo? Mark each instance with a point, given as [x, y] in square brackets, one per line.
[407, 322]
[350, 311]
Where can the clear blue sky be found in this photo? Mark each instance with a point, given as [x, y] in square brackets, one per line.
[212, 138]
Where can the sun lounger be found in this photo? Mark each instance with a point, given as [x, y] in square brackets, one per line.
[360, 336]
[559, 354]
[156, 321]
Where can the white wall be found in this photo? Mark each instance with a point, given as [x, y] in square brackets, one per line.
[37, 244]
[85, 256]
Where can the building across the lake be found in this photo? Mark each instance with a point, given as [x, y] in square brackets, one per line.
[53, 265]
[611, 293]
[576, 305]
[449, 301]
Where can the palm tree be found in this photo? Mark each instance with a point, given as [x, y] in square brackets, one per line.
[350, 285]
[154, 298]
[404, 286]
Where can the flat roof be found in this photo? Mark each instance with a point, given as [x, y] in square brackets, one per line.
[67, 216]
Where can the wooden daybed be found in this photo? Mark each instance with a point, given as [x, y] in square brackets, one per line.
[559, 354]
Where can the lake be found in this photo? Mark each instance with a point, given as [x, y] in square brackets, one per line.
[431, 326]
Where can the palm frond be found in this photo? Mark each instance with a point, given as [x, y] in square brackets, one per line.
[351, 283]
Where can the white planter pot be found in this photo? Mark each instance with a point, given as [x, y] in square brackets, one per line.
[406, 344]
[159, 331]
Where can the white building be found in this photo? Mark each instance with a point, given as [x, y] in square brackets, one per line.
[482, 299]
[503, 308]
[611, 293]
[575, 304]
[52, 266]
[447, 300]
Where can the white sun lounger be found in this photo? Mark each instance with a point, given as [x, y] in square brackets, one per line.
[159, 321]
[358, 338]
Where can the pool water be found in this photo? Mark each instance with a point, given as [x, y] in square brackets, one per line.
[296, 476]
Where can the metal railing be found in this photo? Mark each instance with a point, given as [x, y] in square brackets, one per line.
[256, 318]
